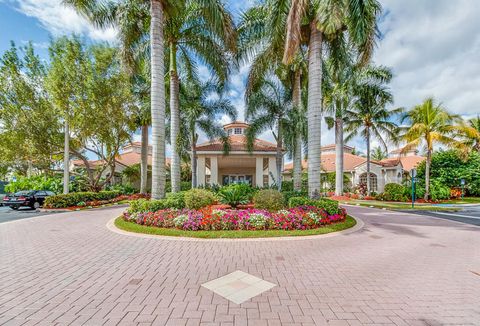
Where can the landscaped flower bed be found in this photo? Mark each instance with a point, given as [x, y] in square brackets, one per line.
[296, 218]
[77, 200]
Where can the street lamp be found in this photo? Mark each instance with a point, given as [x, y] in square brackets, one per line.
[462, 183]
[413, 174]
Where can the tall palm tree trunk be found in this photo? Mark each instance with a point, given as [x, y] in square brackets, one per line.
[194, 165]
[339, 156]
[66, 158]
[427, 174]
[174, 120]
[297, 151]
[279, 156]
[369, 186]
[144, 160]
[157, 100]
[314, 109]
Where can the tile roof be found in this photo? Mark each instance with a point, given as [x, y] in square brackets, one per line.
[127, 159]
[237, 143]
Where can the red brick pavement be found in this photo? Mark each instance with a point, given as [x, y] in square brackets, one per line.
[400, 269]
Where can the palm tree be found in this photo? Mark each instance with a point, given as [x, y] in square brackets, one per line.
[313, 22]
[200, 110]
[206, 30]
[378, 154]
[470, 134]
[430, 123]
[129, 17]
[262, 33]
[267, 108]
[368, 116]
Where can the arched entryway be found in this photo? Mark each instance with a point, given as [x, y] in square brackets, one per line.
[373, 181]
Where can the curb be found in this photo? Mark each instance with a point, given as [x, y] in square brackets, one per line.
[112, 227]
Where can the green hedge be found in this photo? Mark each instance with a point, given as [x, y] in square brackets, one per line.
[173, 200]
[330, 205]
[198, 198]
[72, 199]
[269, 199]
[394, 192]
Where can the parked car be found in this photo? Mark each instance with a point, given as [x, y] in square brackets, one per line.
[27, 198]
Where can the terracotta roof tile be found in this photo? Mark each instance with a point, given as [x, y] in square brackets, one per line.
[237, 143]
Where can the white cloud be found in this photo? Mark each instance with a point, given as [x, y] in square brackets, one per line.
[59, 19]
[433, 48]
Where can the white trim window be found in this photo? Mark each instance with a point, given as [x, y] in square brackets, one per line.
[238, 131]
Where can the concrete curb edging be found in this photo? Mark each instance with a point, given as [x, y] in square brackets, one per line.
[112, 227]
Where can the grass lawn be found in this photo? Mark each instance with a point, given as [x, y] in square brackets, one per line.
[133, 227]
[465, 200]
[399, 205]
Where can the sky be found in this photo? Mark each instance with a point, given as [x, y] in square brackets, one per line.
[432, 46]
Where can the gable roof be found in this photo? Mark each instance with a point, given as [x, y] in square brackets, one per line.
[125, 159]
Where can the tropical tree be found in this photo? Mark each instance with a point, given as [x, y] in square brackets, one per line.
[119, 14]
[368, 116]
[267, 108]
[262, 33]
[203, 30]
[470, 134]
[66, 85]
[430, 124]
[378, 153]
[314, 22]
[201, 108]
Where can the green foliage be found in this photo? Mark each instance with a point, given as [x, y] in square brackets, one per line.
[448, 168]
[198, 198]
[236, 194]
[38, 182]
[175, 200]
[72, 199]
[289, 194]
[184, 186]
[330, 205]
[438, 191]
[126, 189]
[269, 199]
[394, 192]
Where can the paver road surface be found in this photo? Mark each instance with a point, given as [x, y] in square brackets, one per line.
[399, 269]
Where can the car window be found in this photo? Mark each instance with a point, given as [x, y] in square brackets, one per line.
[50, 193]
[41, 193]
[23, 193]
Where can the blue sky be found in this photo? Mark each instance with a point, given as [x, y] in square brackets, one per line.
[433, 47]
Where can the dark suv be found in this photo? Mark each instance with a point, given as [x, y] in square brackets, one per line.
[29, 198]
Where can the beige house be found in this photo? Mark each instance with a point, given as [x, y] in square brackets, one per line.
[257, 168]
[389, 170]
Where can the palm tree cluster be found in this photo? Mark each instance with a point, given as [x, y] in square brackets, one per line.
[309, 61]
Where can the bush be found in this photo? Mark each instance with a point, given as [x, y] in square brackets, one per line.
[269, 199]
[198, 198]
[438, 191]
[289, 194]
[329, 205]
[125, 189]
[175, 200]
[184, 186]
[393, 192]
[236, 194]
[72, 199]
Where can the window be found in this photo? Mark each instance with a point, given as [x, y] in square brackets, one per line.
[230, 131]
[373, 180]
[238, 131]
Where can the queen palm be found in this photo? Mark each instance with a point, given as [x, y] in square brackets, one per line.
[314, 22]
[369, 118]
[378, 153]
[430, 124]
[204, 29]
[470, 134]
[267, 109]
[262, 32]
[200, 110]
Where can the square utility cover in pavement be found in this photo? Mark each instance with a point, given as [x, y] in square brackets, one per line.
[238, 286]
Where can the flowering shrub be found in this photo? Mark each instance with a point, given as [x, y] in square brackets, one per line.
[296, 218]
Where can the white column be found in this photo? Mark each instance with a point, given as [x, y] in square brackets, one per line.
[201, 171]
[213, 170]
[272, 169]
[259, 171]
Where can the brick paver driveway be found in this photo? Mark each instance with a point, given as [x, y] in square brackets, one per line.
[399, 269]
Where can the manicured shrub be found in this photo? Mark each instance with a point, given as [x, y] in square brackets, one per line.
[72, 199]
[236, 194]
[438, 191]
[269, 199]
[393, 192]
[289, 194]
[330, 205]
[184, 186]
[175, 200]
[198, 198]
